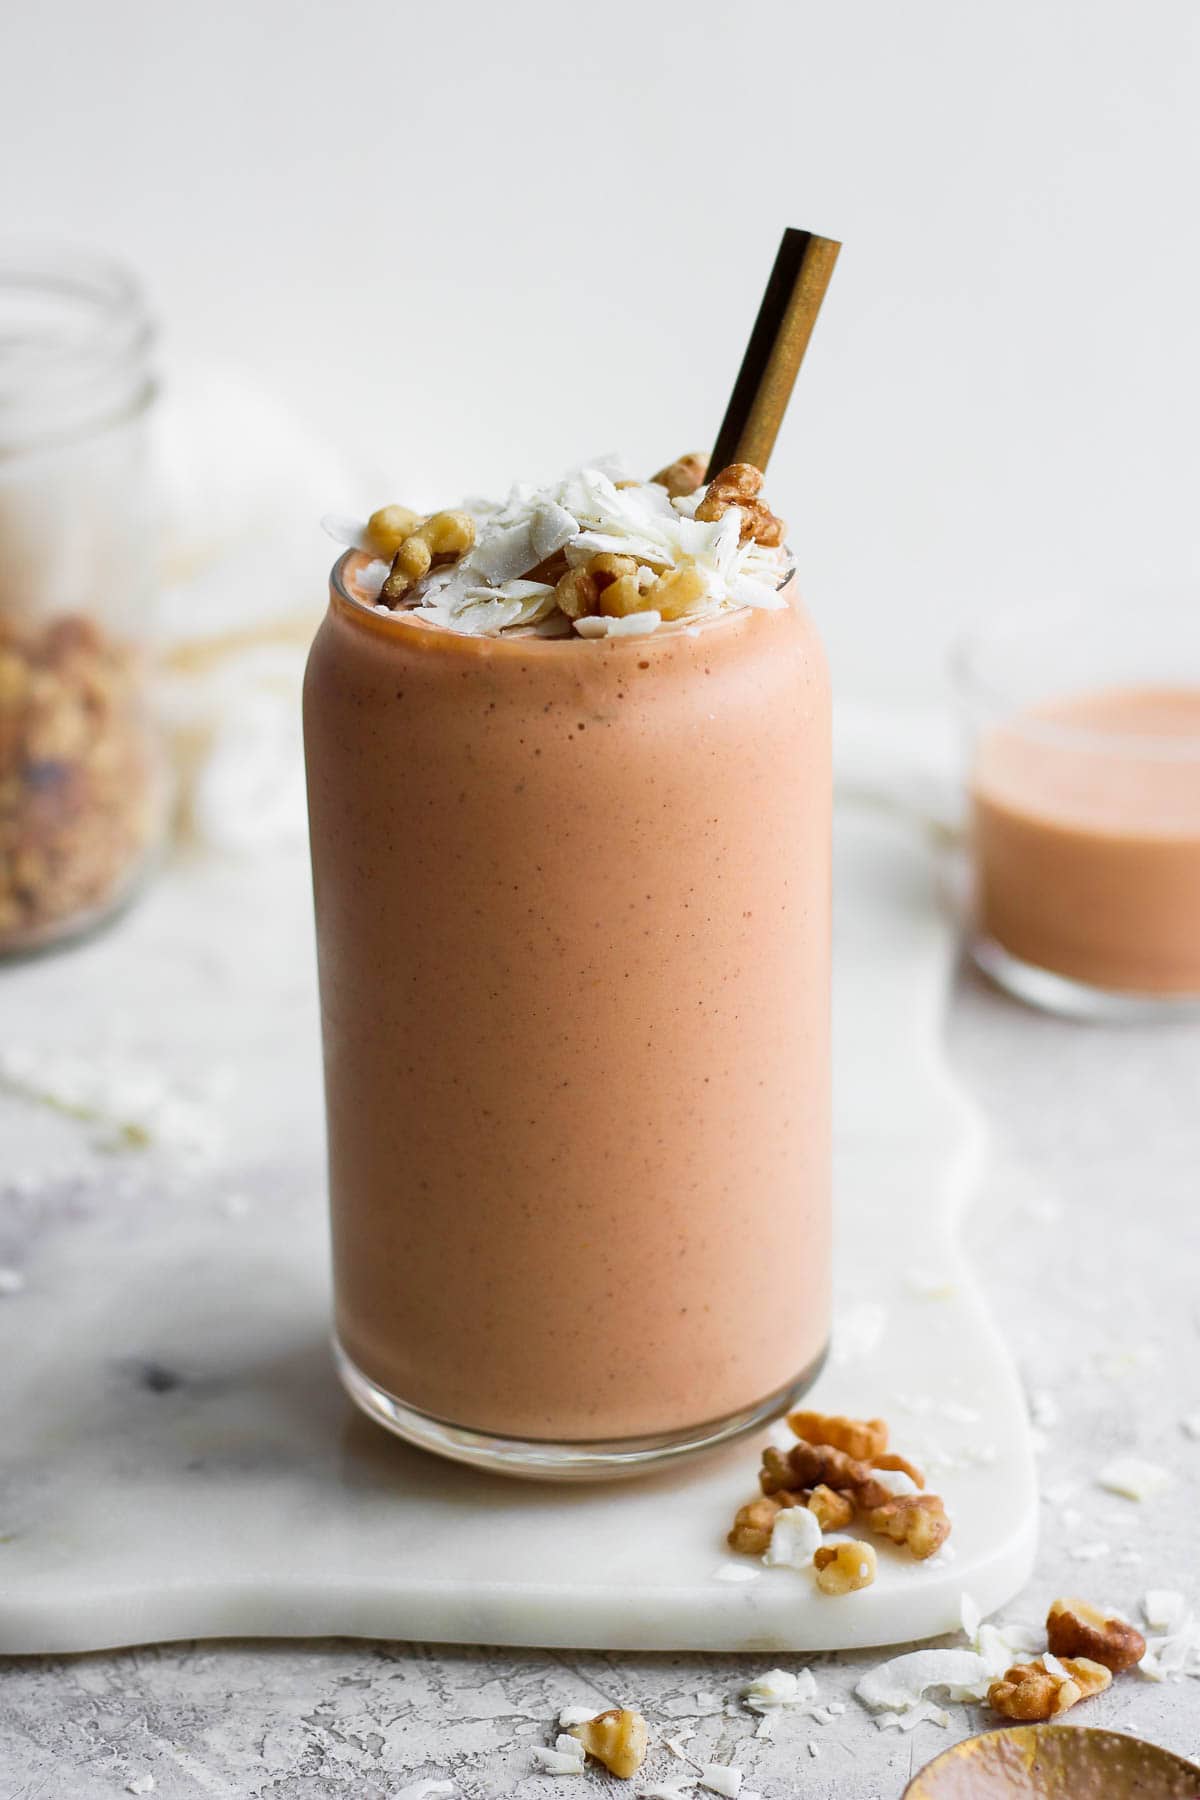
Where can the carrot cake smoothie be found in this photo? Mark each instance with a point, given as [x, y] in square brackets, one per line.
[1087, 838]
[569, 792]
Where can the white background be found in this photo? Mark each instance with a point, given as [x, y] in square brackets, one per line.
[472, 241]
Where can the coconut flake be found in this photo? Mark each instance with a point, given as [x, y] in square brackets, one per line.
[795, 1535]
[579, 1715]
[559, 1761]
[667, 1790]
[722, 1778]
[902, 1683]
[1133, 1478]
[1165, 1609]
[779, 1687]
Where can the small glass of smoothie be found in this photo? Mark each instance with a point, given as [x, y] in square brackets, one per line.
[1084, 783]
[569, 796]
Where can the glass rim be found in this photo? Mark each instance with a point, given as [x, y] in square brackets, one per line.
[119, 333]
[977, 686]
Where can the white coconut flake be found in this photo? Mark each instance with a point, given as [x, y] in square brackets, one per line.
[676, 1744]
[812, 1749]
[736, 1572]
[902, 1683]
[666, 1790]
[722, 1778]
[925, 1713]
[795, 1536]
[1165, 1609]
[558, 1761]
[140, 1784]
[895, 1481]
[1089, 1552]
[779, 1687]
[858, 1331]
[1133, 1478]
[1190, 1425]
[423, 1790]
[578, 1715]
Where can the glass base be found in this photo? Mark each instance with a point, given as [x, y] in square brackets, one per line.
[537, 1460]
[1073, 999]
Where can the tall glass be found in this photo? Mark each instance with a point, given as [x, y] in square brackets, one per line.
[572, 907]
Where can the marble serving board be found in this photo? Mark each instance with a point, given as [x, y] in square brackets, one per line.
[176, 1457]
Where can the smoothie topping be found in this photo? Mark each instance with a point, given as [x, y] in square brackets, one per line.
[597, 553]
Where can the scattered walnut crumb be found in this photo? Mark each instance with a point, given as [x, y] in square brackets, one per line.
[918, 1521]
[1033, 1692]
[617, 1738]
[833, 1511]
[1076, 1628]
[843, 1568]
[865, 1439]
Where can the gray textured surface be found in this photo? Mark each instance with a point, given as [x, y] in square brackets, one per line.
[1087, 1236]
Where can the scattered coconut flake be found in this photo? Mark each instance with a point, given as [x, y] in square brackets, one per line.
[722, 1778]
[667, 1790]
[765, 1727]
[11, 1281]
[924, 1713]
[1089, 1552]
[894, 1480]
[140, 1784]
[1190, 1425]
[675, 1744]
[1053, 1667]
[370, 579]
[732, 1571]
[902, 1683]
[779, 1687]
[422, 1790]
[1165, 1609]
[836, 1707]
[812, 1749]
[795, 1536]
[1133, 1478]
[1061, 1490]
[579, 1715]
[558, 1761]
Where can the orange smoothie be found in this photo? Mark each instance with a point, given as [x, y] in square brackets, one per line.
[1087, 838]
[572, 907]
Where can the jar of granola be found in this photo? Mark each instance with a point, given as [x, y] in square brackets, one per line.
[82, 768]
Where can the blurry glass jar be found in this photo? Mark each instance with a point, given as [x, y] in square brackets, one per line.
[83, 776]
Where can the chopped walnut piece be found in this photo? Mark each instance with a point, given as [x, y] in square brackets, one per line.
[753, 1524]
[389, 526]
[1031, 1691]
[1076, 1628]
[810, 1466]
[673, 594]
[683, 476]
[444, 537]
[581, 591]
[865, 1439]
[901, 1465]
[842, 1568]
[617, 1738]
[833, 1511]
[916, 1520]
[738, 485]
